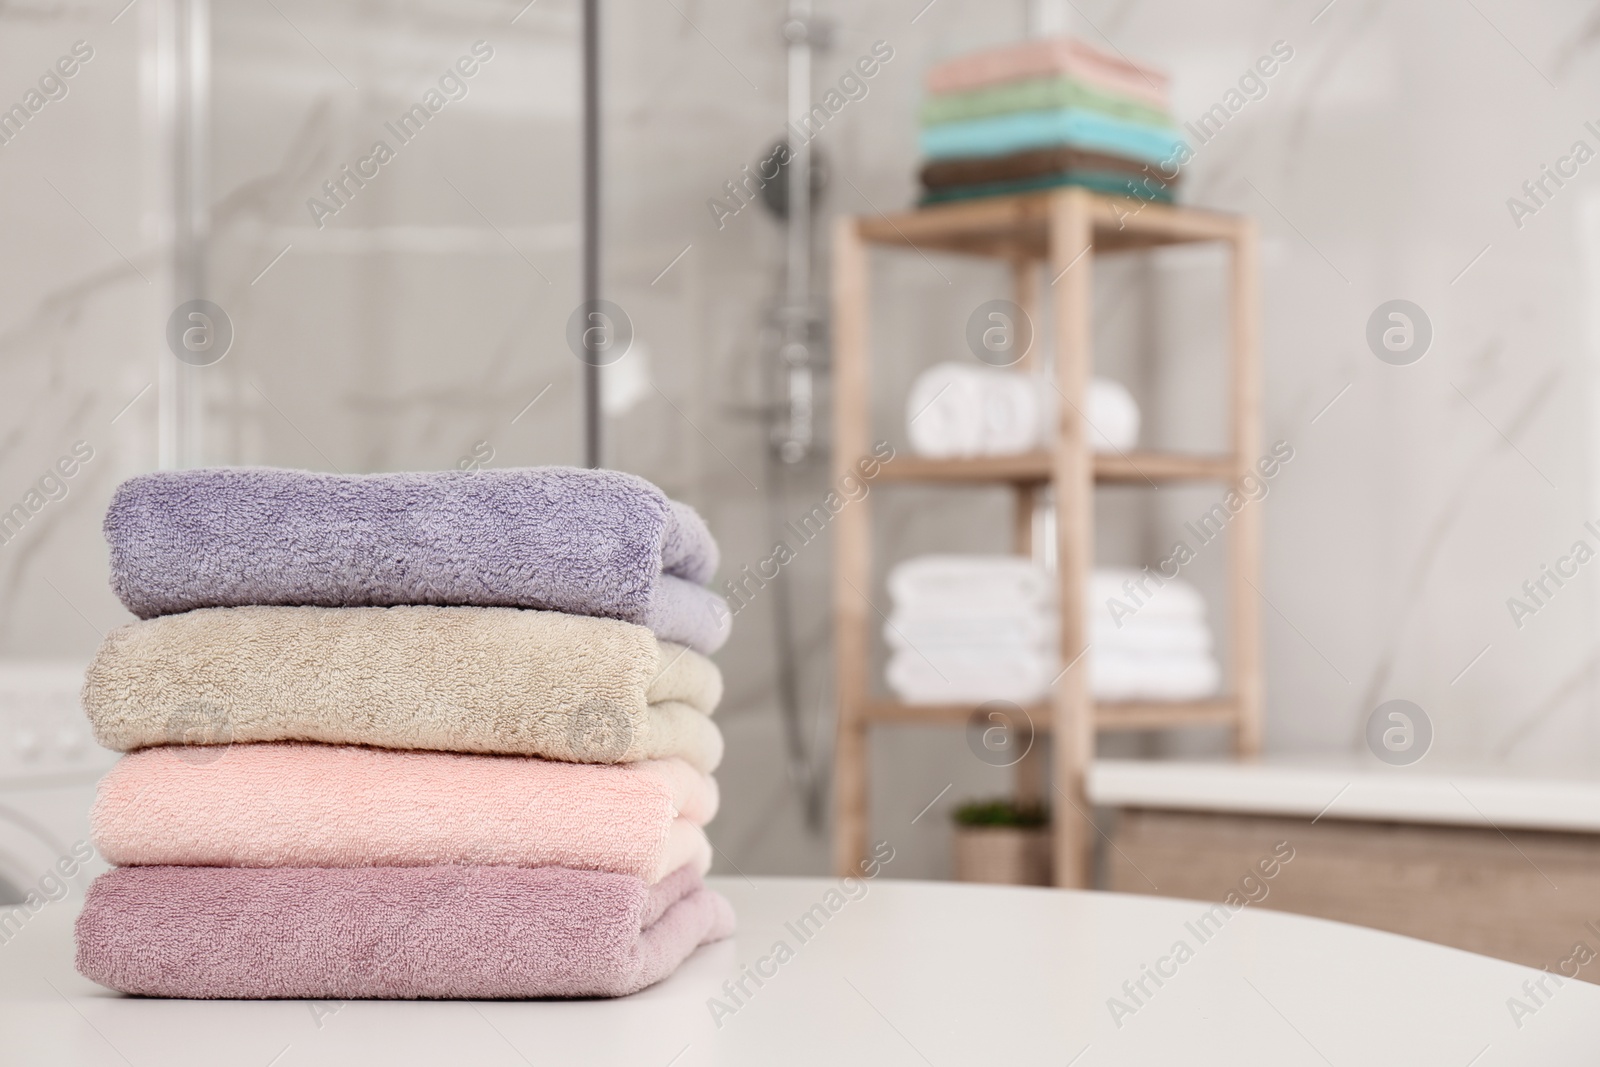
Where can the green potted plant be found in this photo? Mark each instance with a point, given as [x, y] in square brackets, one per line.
[1002, 843]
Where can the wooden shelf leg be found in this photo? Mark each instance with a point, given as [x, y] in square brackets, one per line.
[1244, 533]
[1072, 472]
[852, 549]
[1025, 286]
[1032, 774]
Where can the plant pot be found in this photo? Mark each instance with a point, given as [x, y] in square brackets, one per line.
[1003, 855]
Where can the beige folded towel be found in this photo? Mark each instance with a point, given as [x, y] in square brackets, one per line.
[455, 679]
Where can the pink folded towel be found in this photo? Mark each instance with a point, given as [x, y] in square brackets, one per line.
[1045, 58]
[293, 804]
[391, 932]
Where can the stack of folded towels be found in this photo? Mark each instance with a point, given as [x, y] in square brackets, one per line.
[404, 735]
[1047, 113]
[962, 410]
[968, 629]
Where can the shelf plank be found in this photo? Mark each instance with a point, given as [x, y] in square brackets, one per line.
[1139, 468]
[1012, 226]
[1032, 468]
[1108, 715]
[1024, 468]
[1162, 715]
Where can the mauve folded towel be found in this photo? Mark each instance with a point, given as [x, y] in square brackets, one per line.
[581, 541]
[494, 680]
[394, 932]
[305, 805]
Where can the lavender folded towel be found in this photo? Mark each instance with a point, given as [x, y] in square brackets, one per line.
[584, 542]
[391, 932]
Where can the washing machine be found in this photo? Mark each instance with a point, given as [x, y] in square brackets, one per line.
[49, 765]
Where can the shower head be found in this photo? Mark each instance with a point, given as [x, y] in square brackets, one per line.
[775, 192]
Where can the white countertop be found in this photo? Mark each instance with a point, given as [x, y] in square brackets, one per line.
[1356, 788]
[910, 973]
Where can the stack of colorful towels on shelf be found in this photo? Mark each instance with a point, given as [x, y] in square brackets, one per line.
[404, 735]
[968, 629]
[1047, 113]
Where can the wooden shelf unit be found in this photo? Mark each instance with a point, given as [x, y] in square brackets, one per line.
[1056, 233]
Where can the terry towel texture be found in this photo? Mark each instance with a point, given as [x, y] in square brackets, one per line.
[967, 629]
[1036, 164]
[587, 542]
[1021, 131]
[491, 680]
[1035, 94]
[1127, 186]
[303, 805]
[1047, 58]
[401, 932]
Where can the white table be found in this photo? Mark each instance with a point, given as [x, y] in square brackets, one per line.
[910, 973]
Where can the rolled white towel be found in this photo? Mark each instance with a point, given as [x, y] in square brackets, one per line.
[956, 410]
[1112, 412]
[945, 412]
[1013, 412]
[1113, 416]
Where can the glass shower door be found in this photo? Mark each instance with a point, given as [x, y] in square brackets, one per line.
[387, 219]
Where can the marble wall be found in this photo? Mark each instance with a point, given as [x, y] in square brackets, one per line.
[412, 328]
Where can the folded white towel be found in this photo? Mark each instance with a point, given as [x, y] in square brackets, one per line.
[1123, 677]
[914, 628]
[971, 628]
[943, 585]
[1152, 637]
[972, 676]
[1145, 596]
[911, 629]
[963, 410]
[971, 583]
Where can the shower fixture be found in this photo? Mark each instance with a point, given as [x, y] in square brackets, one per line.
[792, 197]
[795, 355]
